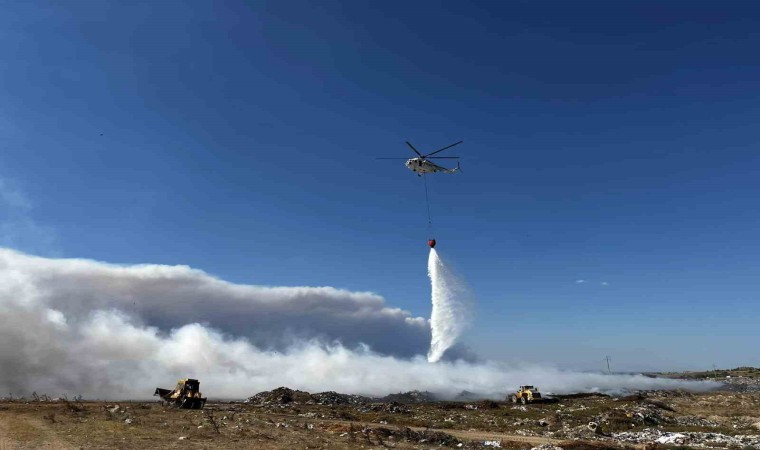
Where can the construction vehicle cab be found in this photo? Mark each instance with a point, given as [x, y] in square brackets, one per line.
[526, 394]
[186, 395]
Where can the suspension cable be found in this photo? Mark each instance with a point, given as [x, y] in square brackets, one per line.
[427, 202]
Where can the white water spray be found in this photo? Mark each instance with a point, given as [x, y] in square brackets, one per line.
[451, 307]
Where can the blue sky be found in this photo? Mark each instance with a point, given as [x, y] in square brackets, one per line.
[610, 142]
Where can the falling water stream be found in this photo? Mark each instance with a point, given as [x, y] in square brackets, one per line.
[452, 304]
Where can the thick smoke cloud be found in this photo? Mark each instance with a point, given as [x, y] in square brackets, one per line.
[108, 331]
[168, 297]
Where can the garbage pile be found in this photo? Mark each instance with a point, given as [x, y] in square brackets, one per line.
[695, 439]
[390, 407]
[410, 397]
[286, 396]
[741, 384]
[649, 413]
[279, 396]
[420, 437]
[334, 398]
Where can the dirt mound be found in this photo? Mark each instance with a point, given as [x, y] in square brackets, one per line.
[279, 396]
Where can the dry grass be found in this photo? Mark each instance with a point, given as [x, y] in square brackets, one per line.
[54, 425]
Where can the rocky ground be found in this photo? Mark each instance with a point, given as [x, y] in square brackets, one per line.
[285, 418]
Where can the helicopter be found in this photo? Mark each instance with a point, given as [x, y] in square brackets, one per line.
[421, 164]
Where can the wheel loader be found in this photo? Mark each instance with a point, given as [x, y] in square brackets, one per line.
[526, 394]
[186, 395]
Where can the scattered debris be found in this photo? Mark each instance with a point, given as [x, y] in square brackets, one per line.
[695, 439]
[547, 447]
[409, 435]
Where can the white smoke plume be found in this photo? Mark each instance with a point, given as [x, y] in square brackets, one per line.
[71, 326]
[452, 303]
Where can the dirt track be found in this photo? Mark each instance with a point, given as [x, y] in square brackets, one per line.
[468, 435]
[20, 431]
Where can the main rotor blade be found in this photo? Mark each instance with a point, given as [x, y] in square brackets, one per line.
[414, 149]
[444, 148]
[443, 157]
[391, 158]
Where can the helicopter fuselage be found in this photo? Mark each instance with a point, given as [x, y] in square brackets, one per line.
[422, 166]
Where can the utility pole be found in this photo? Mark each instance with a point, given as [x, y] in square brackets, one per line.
[607, 358]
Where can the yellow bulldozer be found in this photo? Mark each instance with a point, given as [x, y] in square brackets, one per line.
[526, 394]
[186, 395]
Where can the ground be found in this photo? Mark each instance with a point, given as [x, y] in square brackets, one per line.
[285, 419]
